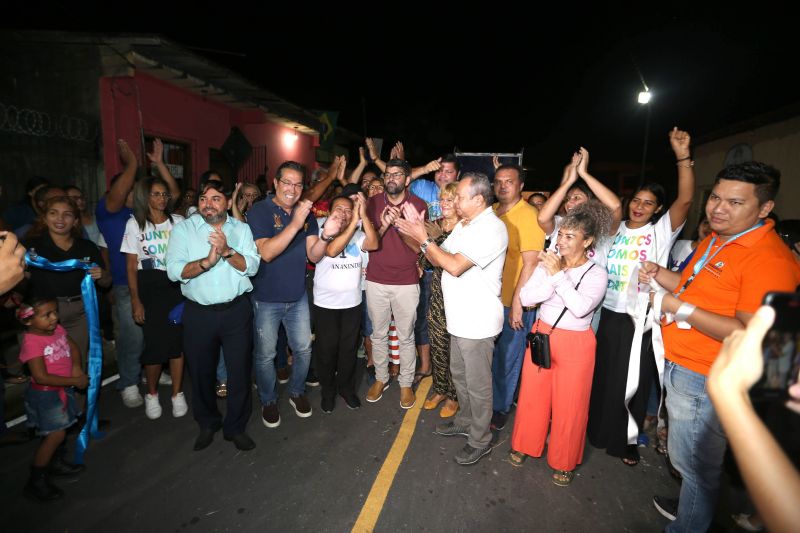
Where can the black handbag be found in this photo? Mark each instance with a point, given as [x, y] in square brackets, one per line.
[540, 342]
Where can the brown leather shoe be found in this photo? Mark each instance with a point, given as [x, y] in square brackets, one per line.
[449, 408]
[375, 392]
[433, 402]
[407, 398]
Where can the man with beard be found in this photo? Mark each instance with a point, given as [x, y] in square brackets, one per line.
[286, 234]
[212, 256]
[393, 282]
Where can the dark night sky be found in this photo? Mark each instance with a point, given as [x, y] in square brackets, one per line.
[495, 80]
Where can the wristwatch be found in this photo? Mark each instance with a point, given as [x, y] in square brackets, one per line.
[424, 246]
[231, 254]
[327, 239]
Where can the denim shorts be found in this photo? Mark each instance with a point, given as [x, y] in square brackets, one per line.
[47, 413]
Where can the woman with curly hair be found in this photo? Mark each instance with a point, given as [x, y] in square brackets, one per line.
[555, 400]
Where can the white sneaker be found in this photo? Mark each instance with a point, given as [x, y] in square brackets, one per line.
[163, 379]
[131, 396]
[151, 406]
[179, 407]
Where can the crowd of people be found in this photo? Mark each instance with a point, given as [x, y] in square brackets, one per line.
[471, 278]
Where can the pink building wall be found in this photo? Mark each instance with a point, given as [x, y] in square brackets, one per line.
[130, 106]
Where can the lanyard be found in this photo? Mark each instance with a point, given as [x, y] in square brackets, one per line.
[698, 267]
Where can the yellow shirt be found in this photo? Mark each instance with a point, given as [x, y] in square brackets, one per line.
[524, 235]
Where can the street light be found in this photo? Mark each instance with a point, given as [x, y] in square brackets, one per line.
[644, 99]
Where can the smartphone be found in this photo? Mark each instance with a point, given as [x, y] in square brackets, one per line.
[147, 264]
[781, 347]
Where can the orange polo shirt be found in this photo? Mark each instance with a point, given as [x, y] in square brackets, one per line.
[524, 235]
[736, 279]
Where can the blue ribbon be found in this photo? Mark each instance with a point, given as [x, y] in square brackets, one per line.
[95, 345]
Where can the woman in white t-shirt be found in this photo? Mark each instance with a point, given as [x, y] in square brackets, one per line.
[153, 295]
[337, 299]
[647, 235]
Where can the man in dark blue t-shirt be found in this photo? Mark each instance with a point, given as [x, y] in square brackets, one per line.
[286, 234]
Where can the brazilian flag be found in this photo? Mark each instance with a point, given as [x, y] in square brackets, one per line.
[328, 130]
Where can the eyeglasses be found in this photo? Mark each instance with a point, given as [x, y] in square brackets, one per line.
[251, 196]
[161, 194]
[376, 187]
[297, 186]
[393, 175]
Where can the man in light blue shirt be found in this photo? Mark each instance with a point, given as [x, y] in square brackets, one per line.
[213, 256]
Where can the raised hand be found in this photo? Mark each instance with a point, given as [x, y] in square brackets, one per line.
[373, 152]
[340, 171]
[362, 158]
[680, 142]
[433, 230]
[332, 227]
[582, 165]
[219, 241]
[389, 215]
[359, 208]
[125, 153]
[496, 162]
[398, 152]
[570, 175]
[157, 155]
[432, 166]
[411, 214]
[551, 262]
[301, 211]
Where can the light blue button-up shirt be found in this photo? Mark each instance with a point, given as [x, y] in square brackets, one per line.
[222, 283]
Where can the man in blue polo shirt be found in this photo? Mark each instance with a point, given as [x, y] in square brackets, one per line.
[286, 234]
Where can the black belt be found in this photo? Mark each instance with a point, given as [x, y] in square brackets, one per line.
[218, 307]
[69, 299]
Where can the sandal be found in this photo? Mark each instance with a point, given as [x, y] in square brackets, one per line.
[516, 458]
[631, 457]
[563, 478]
[419, 376]
[222, 390]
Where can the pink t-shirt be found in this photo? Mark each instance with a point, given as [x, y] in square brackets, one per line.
[557, 292]
[54, 348]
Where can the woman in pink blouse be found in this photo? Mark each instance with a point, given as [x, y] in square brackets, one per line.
[561, 393]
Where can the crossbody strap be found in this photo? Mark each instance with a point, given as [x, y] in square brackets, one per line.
[576, 288]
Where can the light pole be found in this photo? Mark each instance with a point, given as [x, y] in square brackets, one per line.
[644, 99]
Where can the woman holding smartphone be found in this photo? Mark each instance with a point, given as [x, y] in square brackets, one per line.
[153, 295]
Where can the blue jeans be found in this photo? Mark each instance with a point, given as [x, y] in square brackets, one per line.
[696, 447]
[130, 339]
[296, 318]
[507, 361]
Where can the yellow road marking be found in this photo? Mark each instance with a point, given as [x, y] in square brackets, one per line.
[380, 488]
